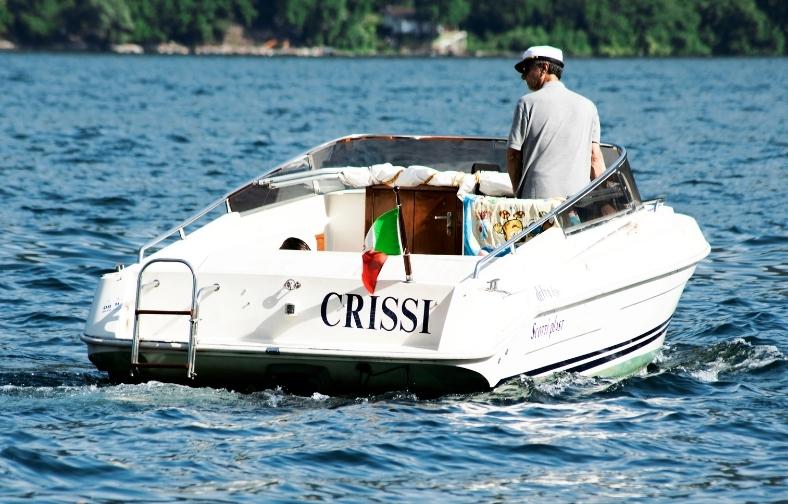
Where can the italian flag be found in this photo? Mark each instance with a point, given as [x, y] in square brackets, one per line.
[382, 241]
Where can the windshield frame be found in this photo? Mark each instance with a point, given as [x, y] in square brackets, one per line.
[618, 172]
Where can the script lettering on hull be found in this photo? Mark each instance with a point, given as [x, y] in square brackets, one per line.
[387, 313]
[546, 328]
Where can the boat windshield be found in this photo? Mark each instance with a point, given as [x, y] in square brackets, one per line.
[612, 193]
[256, 194]
[316, 171]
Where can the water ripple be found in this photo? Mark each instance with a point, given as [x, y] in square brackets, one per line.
[100, 153]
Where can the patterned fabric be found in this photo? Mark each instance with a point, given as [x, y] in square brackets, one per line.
[490, 221]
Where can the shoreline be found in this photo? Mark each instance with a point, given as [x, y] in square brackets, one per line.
[301, 52]
[224, 49]
[261, 51]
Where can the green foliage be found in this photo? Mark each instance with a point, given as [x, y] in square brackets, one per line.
[188, 22]
[5, 17]
[146, 29]
[739, 27]
[99, 22]
[344, 24]
[445, 12]
[572, 40]
[665, 32]
[38, 22]
[580, 27]
[362, 35]
[244, 11]
[777, 12]
[491, 17]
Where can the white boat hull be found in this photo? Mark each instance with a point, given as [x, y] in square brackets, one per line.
[444, 332]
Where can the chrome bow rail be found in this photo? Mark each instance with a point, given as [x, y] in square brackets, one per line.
[310, 170]
[310, 161]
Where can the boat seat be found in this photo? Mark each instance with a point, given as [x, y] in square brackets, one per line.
[493, 183]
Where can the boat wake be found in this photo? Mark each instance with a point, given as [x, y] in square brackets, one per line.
[721, 360]
[54, 377]
[680, 368]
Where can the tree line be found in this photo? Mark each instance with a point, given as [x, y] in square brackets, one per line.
[580, 27]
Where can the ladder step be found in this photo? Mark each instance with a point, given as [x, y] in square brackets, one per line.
[159, 365]
[163, 312]
[191, 313]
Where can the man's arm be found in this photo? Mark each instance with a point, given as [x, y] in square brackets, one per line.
[597, 161]
[514, 165]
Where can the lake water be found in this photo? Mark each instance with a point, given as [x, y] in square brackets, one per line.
[100, 153]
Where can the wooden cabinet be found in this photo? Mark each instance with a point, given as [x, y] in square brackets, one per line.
[432, 216]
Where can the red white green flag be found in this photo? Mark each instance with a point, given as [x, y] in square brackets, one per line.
[382, 240]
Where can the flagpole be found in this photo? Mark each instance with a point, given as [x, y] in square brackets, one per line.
[404, 237]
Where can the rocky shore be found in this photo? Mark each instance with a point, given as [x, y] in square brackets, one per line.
[173, 48]
[235, 43]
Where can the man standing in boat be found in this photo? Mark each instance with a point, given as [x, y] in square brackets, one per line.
[554, 140]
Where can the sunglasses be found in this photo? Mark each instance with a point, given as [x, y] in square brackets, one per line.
[527, 68]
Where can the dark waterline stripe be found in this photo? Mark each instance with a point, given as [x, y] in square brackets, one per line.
[613, 356]
[550, 367]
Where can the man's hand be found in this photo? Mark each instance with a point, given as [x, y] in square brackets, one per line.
[514, 165]
[597, 161]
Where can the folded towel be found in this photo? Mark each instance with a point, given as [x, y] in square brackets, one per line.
[494, 183]
[412, 176]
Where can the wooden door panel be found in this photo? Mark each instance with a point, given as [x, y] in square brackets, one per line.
[420, 206]
[431, 235]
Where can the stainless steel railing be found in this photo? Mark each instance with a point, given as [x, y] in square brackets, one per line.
[565, 206]
[180, 228]
[308, 157]
[287, 179]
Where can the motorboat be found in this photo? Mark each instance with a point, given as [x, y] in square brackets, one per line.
[485, 287]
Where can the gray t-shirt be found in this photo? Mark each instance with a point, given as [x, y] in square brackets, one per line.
[554, 128]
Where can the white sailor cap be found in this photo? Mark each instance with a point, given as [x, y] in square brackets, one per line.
[540, 53]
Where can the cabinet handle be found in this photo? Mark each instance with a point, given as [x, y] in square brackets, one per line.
[448, 221]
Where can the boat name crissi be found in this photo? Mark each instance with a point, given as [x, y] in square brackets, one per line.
[406, 315]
